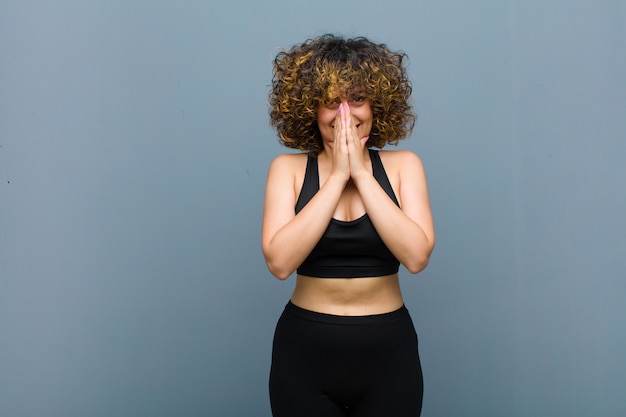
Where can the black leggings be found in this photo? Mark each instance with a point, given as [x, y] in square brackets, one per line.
[335, 366]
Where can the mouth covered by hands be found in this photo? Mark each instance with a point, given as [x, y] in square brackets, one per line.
[348, 147]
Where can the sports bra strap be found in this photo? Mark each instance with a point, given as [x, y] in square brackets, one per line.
[311, 182]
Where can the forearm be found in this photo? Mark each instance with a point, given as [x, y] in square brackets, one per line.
[293, 242]
[404, 236]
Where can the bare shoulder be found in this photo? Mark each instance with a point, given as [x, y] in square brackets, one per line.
[289, 162]
[398, 161]
[286, 172]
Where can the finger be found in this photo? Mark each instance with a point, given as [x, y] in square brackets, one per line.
[345, 112]
[338, 121]
[353, 135]
[343, 128]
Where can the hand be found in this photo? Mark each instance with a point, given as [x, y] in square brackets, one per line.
[339, 154]
[355, 144]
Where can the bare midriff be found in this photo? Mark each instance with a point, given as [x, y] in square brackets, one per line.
[348, 296]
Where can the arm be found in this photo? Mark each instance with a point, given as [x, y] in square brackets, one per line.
[287, 238]
[408, 232]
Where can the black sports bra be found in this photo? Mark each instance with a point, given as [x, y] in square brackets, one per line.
[347, 249]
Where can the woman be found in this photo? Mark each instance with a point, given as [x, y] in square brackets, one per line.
[344, 216]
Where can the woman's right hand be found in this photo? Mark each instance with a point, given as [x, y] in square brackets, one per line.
[340, 155]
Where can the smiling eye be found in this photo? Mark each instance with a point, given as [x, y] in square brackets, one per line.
[358, 99]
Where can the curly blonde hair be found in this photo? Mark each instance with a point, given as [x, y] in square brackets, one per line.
[321, 70]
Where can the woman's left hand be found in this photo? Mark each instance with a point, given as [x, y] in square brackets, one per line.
[356, 144]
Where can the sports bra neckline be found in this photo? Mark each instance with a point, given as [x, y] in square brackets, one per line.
[349, 222]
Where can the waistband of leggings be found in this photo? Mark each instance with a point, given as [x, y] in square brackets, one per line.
[400, 314]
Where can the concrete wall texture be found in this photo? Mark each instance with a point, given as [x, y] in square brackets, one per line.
[134, 144]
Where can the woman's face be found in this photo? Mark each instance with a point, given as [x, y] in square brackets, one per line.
[362, 116]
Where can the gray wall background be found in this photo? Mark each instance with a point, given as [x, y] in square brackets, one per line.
[134, 145]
